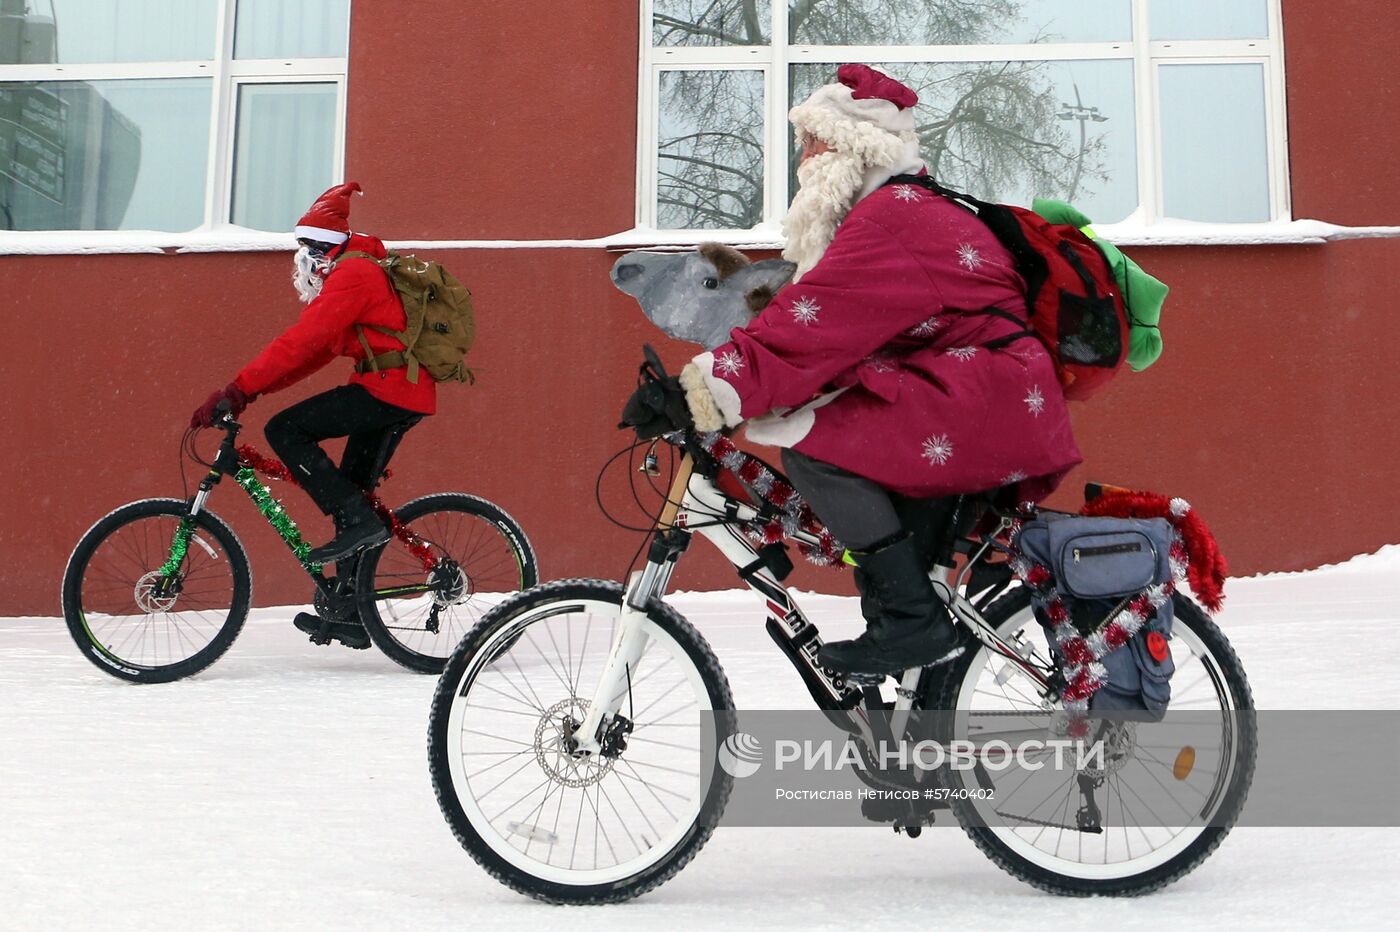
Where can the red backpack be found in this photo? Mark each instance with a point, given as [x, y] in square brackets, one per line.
[1072, 297]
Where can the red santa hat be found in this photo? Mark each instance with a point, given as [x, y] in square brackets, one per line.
[866, 113]
[328, 220]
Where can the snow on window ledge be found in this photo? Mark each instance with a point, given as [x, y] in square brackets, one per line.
[93, 242]
[238, 239]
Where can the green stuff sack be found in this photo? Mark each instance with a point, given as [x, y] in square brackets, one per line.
[1143, 295]
[440, 327]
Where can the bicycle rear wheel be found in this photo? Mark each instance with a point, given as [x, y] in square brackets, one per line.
[130, 619]
[1027, 825]
[416, 615]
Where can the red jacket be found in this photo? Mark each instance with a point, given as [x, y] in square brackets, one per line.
[356, 292]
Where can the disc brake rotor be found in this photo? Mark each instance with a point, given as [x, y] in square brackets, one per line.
[556, 725]
[451, 585]
[146, 597]
[1119, 742]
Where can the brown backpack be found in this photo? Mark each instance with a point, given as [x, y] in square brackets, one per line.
[440, 328]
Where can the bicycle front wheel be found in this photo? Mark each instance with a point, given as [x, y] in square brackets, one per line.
[547, 822]
[479, 556]
[140, 619]
[1161, 815]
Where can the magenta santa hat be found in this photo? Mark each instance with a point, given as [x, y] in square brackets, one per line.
[865, 113]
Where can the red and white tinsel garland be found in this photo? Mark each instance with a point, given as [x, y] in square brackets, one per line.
[794, 513]
[275, 469]
[1082, 654]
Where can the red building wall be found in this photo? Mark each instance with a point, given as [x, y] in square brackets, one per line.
[1271, 409]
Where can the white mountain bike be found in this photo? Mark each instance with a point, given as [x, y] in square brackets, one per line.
[565, 746]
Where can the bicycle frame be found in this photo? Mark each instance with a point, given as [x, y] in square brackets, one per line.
[695, 505]
[229, 461]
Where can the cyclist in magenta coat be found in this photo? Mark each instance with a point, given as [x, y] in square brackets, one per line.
[880, 369]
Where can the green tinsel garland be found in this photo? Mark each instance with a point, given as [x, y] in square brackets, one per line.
[276, 515]
[178, 548]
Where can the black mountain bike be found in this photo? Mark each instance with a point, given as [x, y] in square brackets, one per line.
[158, 589]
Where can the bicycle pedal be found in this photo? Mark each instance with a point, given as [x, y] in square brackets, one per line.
[865, 679]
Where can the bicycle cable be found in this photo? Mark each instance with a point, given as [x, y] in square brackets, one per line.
[598, 489]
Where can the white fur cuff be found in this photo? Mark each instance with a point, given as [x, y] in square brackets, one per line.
[698, 398]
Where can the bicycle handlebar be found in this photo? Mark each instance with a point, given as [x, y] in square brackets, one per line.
[223, 417]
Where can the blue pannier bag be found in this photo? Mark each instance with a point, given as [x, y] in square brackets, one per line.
[1097, 564]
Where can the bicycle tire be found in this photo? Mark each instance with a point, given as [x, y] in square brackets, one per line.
[394, 638]
[1153, 879]
[698, 833]
[105, 657]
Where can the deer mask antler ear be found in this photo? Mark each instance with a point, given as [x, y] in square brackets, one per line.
[726, 259]
[762, 281]
[759, 298]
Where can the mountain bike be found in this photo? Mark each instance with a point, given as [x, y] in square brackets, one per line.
[158, 589]
[564, 737]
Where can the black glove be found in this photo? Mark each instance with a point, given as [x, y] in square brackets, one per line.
[657, 407]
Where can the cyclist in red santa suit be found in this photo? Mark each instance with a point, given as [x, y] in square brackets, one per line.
[346, 298]
[897, 363]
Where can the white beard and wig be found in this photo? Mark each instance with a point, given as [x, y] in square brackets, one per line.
[827, 188]
[309, 271]
[863, 156]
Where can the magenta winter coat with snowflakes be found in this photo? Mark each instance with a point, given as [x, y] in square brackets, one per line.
[876, 361]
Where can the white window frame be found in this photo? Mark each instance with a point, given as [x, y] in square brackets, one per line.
[773, 60]
[228, 75]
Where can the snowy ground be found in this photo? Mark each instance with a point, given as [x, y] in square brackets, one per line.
[287, 787]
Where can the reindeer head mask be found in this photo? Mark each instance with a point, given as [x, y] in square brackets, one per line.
[700, 296]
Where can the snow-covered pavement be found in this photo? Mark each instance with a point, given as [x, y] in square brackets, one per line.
[287, 787]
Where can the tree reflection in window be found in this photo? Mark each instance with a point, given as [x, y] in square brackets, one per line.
[710, 152]
[1009, 130]
[1006, 130]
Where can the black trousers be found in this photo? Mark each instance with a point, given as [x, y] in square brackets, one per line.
[373, 428]
[859, 512]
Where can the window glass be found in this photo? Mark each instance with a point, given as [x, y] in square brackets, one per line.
[710, 22]
[957, 22]
[104, 155]
[710, 150]
[1210, 19]
[80, 31]
[283, 154]
[1214, 142]
[304, 29]
[1014, 131]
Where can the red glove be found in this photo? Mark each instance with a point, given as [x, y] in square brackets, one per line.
[205, 414]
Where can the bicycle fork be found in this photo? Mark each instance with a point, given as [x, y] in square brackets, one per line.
[184, 534]
[604, 718]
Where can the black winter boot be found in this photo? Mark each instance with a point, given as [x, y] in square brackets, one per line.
[350, 633]
[357, 526]
[911, 627]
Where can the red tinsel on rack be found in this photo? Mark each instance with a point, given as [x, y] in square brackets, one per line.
[250, 458]
[1194, 555]
[1206, 569]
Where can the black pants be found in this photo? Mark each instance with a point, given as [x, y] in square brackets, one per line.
[858, 512]
[373, 428]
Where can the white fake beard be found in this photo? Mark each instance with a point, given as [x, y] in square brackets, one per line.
[828, 185]
[309, 274]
